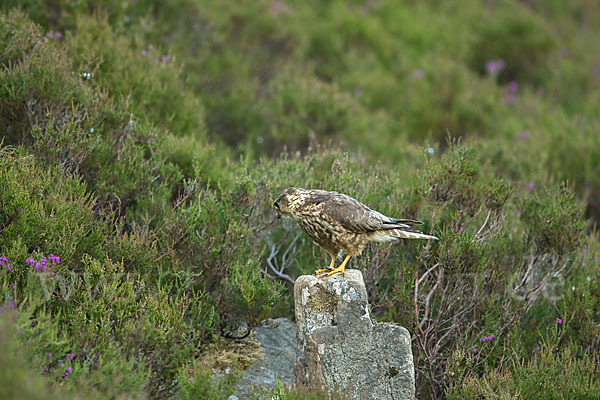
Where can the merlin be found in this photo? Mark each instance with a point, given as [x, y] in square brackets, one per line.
[336, 221]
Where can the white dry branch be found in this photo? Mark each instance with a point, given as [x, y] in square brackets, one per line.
[276, 265]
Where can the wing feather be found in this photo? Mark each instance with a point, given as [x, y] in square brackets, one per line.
[355, 216]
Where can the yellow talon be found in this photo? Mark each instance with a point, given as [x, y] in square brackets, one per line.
[321, 271]
[339, 269]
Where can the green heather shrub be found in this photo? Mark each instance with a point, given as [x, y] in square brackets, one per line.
[154, 87]
[219, 240]
[282, 392]
[42, 212]
[36, 82]
[94, 303]
[202, 385]
[26, 377]
[508, 33]
[68, 124]
[552, 373]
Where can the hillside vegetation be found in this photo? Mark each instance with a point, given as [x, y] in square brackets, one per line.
[142, 144]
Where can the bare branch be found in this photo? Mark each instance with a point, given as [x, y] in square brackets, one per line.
[487, 218]
[276, 269]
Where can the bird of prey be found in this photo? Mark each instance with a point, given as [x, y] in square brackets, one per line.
[336, 221]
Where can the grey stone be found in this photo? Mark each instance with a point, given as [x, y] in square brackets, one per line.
[339, 345]
[277, 339]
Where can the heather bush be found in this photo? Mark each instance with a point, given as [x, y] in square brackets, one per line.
[281, 392]
[550, 373]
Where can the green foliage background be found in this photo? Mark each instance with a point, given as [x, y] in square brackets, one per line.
[144, 141]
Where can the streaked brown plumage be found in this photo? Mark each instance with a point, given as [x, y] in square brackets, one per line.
[337, 222]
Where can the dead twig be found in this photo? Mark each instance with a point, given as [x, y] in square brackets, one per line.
[278, 269]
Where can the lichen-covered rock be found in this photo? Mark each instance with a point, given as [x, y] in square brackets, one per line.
[341, 347]
[278, 343]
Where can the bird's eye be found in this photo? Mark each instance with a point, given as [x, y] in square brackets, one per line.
[276, 205]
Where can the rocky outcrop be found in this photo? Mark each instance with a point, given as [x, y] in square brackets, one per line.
[340, 347]
[277, 340]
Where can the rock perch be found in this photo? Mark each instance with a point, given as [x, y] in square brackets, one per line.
[341, 347]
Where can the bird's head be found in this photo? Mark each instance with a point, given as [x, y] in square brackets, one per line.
[287, 201]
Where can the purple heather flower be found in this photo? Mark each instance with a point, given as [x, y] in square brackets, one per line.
[58, 36]
[69, 370]
[49, 355]
[512, 87]
[524, 135]
[530, 185]
[165, 58]
[474, 351]
[8, 267]
[150, 47]
[536, 349]
[505, 291]
[418, 73]
[517, 211]
[144, 52]
[9, 305]
[584, 251]
[510, 91]
[391, 303]
[460, 230]
[46, 369]
[71, 356]
[558, 321]
[551, 302]
[494, 66]
[29, 261]
[60, 364]
[37, 266]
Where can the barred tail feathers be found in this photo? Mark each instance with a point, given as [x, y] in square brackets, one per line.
[389, 235]
[407, 233]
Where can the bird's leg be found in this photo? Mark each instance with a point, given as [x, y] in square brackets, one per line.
[341, 268]
[320, 271]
